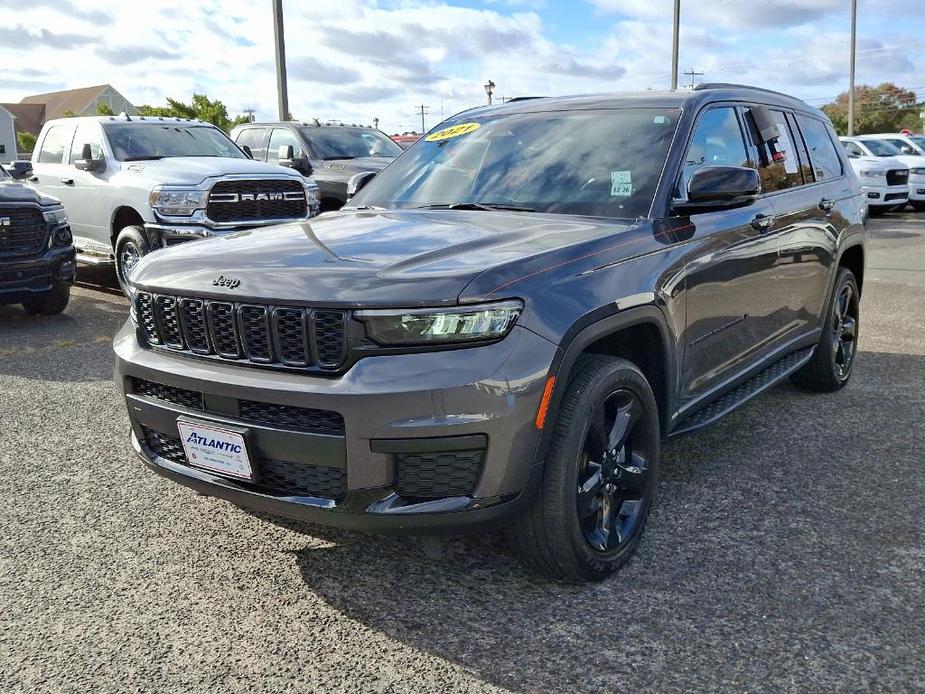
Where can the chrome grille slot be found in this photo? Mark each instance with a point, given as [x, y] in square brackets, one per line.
[168, 322]
[223, 329]
[193, 322]
[255, 333]
[291, 338]
[146, 318]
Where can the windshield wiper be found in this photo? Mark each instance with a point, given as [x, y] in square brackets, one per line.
[486, 206]
[147, 157]
[345, 156]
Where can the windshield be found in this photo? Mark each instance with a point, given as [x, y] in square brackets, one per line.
[880, 148]
[334, 142]
[599, 163]
[137, 142]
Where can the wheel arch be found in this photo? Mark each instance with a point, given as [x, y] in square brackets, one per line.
[123, 216]
[640, 335]
[852, 257]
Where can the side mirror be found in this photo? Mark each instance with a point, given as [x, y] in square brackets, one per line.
[907, 149]
[87, 162]
[720, 188]
[247, 151]
[285, 156]
[20, 170]
[358, 182]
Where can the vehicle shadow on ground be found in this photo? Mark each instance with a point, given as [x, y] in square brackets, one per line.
[710, 565]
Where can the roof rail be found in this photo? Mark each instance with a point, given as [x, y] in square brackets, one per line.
[733, 85]
[524, 98]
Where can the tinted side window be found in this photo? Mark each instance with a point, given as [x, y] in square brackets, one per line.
[86, 135]
[852, 149]
[55, 143]
[717, 141]
[253, 138]
[822, 152]
[281, 137]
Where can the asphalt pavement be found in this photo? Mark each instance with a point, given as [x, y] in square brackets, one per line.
[785, 552]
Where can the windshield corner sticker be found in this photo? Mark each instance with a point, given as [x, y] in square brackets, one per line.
[621, 183]
[452, 131]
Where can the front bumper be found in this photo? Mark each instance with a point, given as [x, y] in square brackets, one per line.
[392, 407]
[877, 195]
[917, 188]
[161, 235]
[20, 279]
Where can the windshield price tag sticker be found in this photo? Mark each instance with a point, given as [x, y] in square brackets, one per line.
[452, 131]
[621, 183]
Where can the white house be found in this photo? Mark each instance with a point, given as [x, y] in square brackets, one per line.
[7, 136]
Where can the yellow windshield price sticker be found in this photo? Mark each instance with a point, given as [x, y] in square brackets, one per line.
[453, 131]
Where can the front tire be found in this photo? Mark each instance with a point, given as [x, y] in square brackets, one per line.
[918, 206]
[599, 477]
[131, 246]
[831, 365]
[49, 303]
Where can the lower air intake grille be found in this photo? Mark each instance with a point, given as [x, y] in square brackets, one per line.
[437, 475]
[289, 417]
[279, 476]
[158, 391]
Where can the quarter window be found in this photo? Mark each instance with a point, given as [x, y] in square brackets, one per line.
[822, 153]
[281, 138]
[54, 145]
[253, 138]
[778, 162]
[717, 141]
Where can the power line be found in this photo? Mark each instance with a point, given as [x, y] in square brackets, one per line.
[423, 109]
[693, 74]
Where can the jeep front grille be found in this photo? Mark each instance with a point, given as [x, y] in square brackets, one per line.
[22, 231]
[258, 200]
[311, 339]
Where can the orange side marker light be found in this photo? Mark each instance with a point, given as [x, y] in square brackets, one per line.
[544, 403]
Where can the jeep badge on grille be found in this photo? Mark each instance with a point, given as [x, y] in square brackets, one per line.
[223, 281]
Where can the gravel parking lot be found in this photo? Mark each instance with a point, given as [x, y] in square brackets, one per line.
[785, 553]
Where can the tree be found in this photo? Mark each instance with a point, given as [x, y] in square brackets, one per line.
[102, 109]
[876, 109]
[200, 108]
[26, 141]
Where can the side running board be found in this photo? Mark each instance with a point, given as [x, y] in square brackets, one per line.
[744, 392]
[95, 258]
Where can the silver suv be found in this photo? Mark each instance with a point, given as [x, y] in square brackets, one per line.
[133, 185]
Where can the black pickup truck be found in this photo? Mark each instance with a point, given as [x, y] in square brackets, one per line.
[504, 323]
[37, 264]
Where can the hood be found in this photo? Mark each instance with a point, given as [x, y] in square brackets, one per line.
[359, 258]
[14, 191]
[195, 170]
[349, 167]
[880, 163]
[910, 161]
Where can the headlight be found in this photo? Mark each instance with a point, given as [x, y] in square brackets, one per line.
[55, 214]
[312, 196]
[440, 326]
[61, 237]
[871, 173]
[917, 172]
[177, 202]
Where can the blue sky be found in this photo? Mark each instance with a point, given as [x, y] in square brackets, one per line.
[354, 60]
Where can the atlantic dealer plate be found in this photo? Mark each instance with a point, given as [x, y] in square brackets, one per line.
[216, 449]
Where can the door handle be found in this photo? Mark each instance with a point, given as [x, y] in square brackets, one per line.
[67, 181]
[826, 205]
[762, 222]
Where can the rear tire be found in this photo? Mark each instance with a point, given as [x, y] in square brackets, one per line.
[599, 478]
[49, 303]
[131, 246]
[831, 365]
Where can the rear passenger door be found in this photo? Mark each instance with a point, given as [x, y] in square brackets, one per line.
[50, 173]
[803, 209]
[730, 267]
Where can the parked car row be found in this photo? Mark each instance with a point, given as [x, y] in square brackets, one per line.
[891, 169]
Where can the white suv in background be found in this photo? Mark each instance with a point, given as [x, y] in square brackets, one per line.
[884, 179]
[882, 148]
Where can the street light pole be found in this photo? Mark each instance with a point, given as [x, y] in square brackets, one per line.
[489, 88]
[675, 39]
[280, 41]
[854, 26]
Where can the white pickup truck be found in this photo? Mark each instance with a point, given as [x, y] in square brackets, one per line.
[131, 185]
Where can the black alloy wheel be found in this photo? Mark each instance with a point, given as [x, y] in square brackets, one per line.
[613, 473]
[844, 330]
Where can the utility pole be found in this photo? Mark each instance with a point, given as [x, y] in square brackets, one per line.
[422, 108]
[693, 74]
[280, 41]
[675, 38]
[489, 89]
[250, 111]
[854, 27]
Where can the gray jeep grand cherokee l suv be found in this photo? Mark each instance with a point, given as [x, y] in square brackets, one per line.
[505, 323]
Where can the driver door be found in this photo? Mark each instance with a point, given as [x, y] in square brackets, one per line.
[730, 265]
